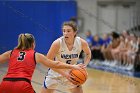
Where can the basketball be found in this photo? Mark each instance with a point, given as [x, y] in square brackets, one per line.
[80, 76]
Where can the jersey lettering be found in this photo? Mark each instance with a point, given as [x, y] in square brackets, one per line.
[69, 56]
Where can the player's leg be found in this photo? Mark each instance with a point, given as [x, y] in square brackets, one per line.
[77, 89]
[49, 85]
[45, 90]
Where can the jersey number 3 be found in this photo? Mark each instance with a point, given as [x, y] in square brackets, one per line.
[21, 56]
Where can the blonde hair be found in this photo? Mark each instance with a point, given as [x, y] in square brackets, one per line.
[25, 41]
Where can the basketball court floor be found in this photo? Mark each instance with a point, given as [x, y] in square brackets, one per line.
[98, 81]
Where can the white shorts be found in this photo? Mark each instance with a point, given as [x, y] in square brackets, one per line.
[57, 83]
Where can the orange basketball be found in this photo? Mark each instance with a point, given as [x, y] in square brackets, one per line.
[80, 76]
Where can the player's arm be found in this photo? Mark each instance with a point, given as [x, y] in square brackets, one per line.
[5, 56]
[52, 53]
[40, 58]
[87, 51]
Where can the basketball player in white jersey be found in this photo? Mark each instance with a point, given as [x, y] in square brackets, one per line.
[66, 49]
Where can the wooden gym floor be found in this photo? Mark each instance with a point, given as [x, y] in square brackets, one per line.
[97, 82]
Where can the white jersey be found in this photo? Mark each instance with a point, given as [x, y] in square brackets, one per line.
[67, 56]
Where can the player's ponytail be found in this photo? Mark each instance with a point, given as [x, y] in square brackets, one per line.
[25, 41]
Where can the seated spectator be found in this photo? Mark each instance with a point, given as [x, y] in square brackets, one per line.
[106, 41]
[106, 48]
[137, 59]
[89, 38]
[109, 52]
[96, 48]
[131, 54]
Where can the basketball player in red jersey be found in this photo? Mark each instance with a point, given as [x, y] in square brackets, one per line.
[67, 50]
[22, 62]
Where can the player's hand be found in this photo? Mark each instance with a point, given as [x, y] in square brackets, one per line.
[71, 78]
[83, 65]
[79, 66]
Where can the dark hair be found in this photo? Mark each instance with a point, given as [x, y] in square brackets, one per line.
[74, 19]
[71, 24]
[115, 35]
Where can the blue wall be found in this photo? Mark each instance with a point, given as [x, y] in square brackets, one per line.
[43, 19]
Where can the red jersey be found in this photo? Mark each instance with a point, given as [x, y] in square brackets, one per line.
[21, 64]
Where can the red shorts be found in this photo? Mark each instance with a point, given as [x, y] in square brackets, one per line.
[16, 87]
